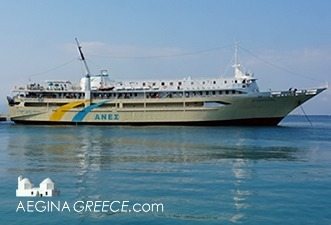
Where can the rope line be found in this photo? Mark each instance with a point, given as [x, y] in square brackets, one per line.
[164, 56]
[278, 66]
[51, 69]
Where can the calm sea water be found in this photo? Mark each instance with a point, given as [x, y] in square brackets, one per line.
[202, 175]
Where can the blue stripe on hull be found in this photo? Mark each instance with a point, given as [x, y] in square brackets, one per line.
[81, 115]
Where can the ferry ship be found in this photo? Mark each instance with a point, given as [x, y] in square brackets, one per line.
[98, 100]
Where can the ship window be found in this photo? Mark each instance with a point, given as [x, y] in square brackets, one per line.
[244, 86]
[179, 83]
[225, 82]
[144, 84]
[220, 92]
[171, 83]
[35, 104]
[203, 82]
[214, 82]
[135, 94]
[154, 84]
[244, 81]
[192, 82]
[162, 83]
[31, 192]
[207, 92]
[233, 92]
[235, 81]
[46, 193]
[200, 92]
[214, 92]
[226, 92]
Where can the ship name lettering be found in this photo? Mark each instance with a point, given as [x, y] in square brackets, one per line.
[107, 116]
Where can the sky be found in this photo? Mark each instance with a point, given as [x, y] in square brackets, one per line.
[285, 43]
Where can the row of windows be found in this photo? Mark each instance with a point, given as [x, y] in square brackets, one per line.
[125, 105]
[136, 95]
[166, 94]
[192, 83]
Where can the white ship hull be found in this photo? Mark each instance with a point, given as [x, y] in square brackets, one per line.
[263, 108]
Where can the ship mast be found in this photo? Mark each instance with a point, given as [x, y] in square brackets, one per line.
[236, 55]
[238, 73]
[83, 58]
[87, 78]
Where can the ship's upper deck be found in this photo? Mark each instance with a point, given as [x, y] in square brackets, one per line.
[102, 82]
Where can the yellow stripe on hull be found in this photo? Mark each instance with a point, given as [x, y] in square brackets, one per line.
[59, 112]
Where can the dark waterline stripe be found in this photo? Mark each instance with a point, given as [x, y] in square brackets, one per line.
[273, 121]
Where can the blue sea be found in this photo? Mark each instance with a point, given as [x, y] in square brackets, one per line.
[201, 175]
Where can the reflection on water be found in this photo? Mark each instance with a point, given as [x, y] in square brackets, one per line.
[200, 174]
[95, 147]
[241, 173]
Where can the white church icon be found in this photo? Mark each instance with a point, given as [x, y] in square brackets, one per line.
[26, 189]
